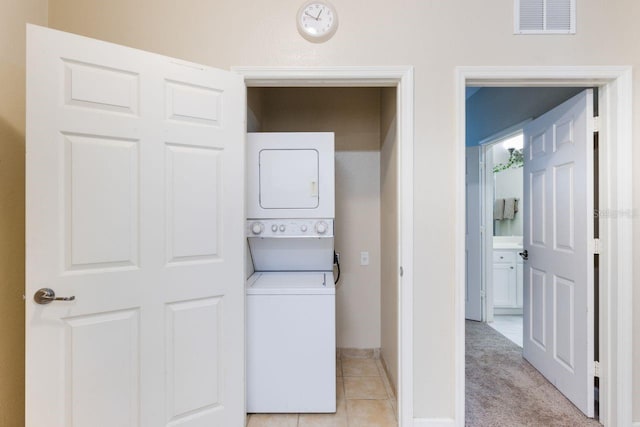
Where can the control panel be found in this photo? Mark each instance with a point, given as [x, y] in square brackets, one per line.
[290, 227]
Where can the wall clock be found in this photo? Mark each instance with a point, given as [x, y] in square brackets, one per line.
[317, 20]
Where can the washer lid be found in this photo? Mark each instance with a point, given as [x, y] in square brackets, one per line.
[291, 283]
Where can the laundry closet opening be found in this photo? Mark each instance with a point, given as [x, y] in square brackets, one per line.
[363, 120]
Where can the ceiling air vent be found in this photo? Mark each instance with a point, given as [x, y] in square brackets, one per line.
[545, 16]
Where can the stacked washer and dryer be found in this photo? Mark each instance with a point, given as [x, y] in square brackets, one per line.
[291, 337]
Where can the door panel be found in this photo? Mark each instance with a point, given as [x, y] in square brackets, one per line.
[134, 166]
[113, 341]
[194, 362]
[558, 275]
[100, 176]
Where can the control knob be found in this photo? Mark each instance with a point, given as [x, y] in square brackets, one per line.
[303, 228]
[321, 227]
[282, 227]
[257, 228]
[274, 228]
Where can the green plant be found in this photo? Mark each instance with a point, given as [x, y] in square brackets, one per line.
[516, 160]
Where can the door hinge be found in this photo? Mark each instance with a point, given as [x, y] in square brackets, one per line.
[401, 271]
[483, 293]
[596, 369]
[596, 124]
[596, 246]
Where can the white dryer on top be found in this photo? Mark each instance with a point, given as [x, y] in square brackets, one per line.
[290, 175]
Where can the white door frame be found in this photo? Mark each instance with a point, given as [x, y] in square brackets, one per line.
[400, 77]
[615, 183]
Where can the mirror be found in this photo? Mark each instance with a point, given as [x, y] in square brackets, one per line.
[507, 186]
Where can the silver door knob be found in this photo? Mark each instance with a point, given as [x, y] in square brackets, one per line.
[47, 295]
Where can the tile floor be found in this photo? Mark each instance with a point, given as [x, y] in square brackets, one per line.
[364, 399]
[509, 326]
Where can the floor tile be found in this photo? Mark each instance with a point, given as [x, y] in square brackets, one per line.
[360, 368]
[364, 388]
[339, 419]
[510, 326]
[370, 413]
[356, 353]
[338, 368]
[273, 420]
[385, 380]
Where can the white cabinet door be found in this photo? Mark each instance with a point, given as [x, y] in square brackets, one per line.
[504, 279]
[134, 204]
[558, 276]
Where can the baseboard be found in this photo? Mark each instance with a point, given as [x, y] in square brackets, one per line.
[434, 422]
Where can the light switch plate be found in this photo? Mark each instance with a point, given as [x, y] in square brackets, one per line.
[364, 258]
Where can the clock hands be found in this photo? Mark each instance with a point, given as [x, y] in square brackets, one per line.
[318, 17]
[311, 16]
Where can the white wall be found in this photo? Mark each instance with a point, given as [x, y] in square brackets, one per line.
[432, 36]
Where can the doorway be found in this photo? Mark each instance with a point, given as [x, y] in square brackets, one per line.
[614, 100]
[400, 80]
[524, 184]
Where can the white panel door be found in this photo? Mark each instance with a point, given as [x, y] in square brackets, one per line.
[558, 275]
[134, 171]
[474, 237]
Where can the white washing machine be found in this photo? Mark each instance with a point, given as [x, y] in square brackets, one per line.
[291, 356]
[291, 337]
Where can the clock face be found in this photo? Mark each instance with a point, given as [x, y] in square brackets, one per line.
[317, 21]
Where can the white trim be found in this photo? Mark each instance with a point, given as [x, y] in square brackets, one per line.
[434, 422]
[402, 78]
[616, 195]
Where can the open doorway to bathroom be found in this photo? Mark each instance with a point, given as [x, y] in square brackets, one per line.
[502, 199]
[495, 225]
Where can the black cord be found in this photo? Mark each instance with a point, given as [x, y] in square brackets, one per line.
[336, 261]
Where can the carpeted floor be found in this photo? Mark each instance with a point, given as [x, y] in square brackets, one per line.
[503, 389]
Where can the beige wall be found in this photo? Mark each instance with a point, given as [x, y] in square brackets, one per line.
[13, 17]
[357, 229]
[389, 234]
[434, 37]
[354, 115]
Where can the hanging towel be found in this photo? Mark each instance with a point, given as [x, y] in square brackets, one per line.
[498, 209]
[510, 208]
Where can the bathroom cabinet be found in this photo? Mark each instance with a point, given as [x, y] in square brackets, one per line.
[507, 281]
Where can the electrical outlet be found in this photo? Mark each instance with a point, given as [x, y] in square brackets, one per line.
[364, 258]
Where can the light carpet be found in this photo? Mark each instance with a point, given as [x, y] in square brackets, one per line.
[503, 389]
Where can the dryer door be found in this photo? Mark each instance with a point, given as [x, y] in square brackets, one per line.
[289, 178]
